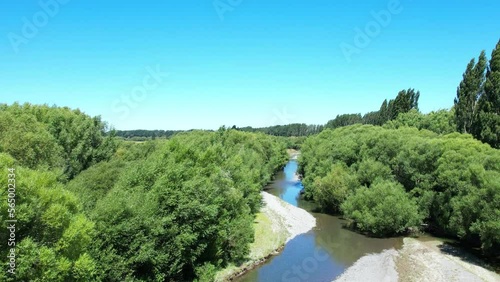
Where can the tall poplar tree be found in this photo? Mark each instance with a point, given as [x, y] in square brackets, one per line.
[468, 92]
[403, 103]
[487, 119]
[383, 113]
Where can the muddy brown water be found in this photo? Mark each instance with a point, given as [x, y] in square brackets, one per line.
[323, 253]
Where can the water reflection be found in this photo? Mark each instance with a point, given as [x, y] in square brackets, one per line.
[287, 185]
[323, 253]
[301, 260]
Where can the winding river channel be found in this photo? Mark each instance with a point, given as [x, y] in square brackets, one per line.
[323, 253]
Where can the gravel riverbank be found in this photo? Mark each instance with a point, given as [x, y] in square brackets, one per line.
[418, 261]
[294, 220]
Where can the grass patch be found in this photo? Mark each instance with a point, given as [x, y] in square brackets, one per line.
[268, 238]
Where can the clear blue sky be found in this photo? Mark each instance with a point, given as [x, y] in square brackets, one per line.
[261, 63]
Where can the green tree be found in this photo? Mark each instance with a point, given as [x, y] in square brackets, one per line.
[333, 189]
[468, 92]
[28, 133]
[488, 113]
[384, 114]
[53, 236]
[441, 122]
[369, 170]
[344, 120]
[383, 209]
[28, 141]
[372, 118]
[186, 208]
[451, 179]
[94, 183]
[403, 103]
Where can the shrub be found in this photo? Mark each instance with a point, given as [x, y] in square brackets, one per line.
[382, 210]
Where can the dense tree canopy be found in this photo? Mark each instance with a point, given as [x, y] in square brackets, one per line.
[441, 122]
[383, 209]
[387, 180]
[289, 130]
[146, 134]
[405, 101]
[163, 210]
[344, 120]
[54, 137]
[188, 205]
[53, 236]
[28, 140]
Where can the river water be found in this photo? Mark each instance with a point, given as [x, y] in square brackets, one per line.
[322, 254]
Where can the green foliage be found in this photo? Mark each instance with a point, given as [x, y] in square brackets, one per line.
[488, 226]
[487, 123]
[179, 209]
[146, 134]
[54, 137]
[28, 140]
[132, 151]
[162, 210]
[405, 101]
[452, 180]
[477, 105]
[94, 183]
[468, 92]
[52, 234]
[383, 209]
[369, 170]
[441, 122]
[372, 118]
[294, 142]
[289, 130]
[384, 113]
[84, 268]
[206, 273]
[82, 138]
[188, 206]
[344, 120]
[333, 189]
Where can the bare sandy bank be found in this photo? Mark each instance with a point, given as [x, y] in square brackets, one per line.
[417, 261]
[294, 220]
[373, 267]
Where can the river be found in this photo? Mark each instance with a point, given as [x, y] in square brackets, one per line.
[322, 254]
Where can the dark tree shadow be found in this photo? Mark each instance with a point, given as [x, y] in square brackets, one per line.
[470, 255]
